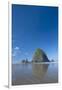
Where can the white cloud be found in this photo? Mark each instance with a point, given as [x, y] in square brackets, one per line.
[16, 48]
[16, 51]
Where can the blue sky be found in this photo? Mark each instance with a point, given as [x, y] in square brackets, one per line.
[34, 27]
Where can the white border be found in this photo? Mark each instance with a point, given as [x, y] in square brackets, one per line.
[9, 44]
[26, 2]
[36, 2]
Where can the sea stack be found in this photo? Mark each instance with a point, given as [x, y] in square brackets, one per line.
[40, 56]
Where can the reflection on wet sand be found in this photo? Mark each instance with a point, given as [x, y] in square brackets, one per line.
[39, 70]
[34, 73]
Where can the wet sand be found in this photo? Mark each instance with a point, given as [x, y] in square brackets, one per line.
[23, 74]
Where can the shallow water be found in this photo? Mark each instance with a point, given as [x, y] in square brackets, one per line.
[34, 73]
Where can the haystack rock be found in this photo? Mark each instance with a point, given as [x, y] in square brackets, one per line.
[40, 56]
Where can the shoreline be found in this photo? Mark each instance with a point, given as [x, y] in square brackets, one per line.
[35, 63]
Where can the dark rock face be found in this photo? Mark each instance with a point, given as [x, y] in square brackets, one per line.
[40, 56]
